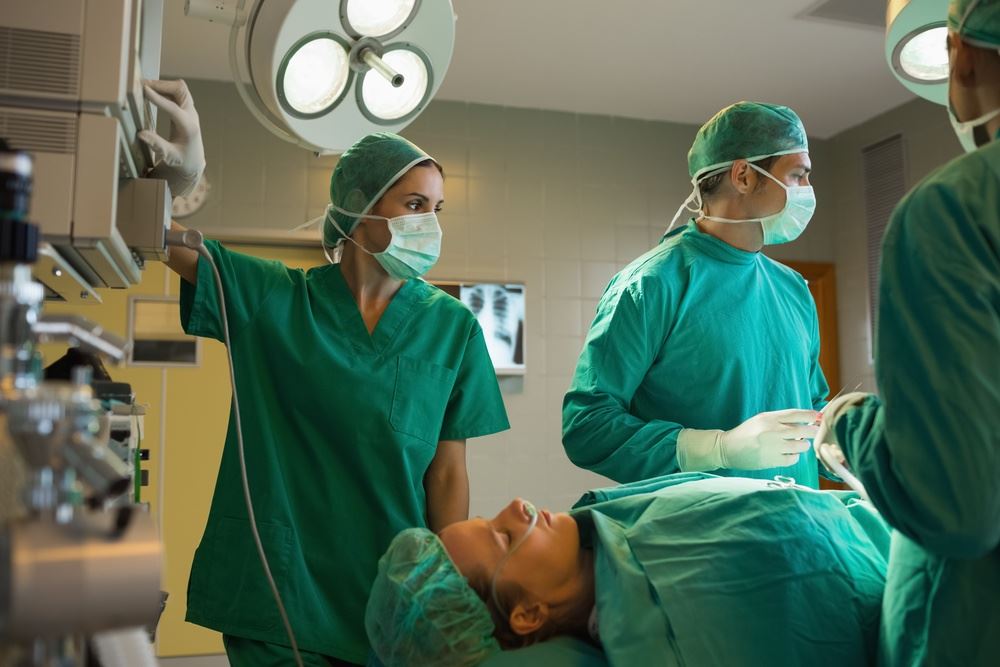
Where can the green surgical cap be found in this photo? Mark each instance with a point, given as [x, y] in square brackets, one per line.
[422, 612]
[977, 21]
[746, 131]
[362, 176]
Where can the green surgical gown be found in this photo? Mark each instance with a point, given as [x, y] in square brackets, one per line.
[693, 334]
[710, 570]
[339, 428]
[928, 452]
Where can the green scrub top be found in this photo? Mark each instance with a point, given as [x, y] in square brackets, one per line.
[693, 334]
[928, 452]
[339, 428]
[708, 570]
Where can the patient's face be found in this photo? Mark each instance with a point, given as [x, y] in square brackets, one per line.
[546, 565]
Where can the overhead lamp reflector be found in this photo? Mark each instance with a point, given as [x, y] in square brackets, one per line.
[924, 55]
[377, 18]
[916, 46]
[324, 73]
[383, 102]
[314, 76]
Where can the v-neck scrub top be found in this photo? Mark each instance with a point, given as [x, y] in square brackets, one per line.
[339, 427]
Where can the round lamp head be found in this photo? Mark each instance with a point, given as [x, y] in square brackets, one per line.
[376, 18]
[385, 104]
[916, 46]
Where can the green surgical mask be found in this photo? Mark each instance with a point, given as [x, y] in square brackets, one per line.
[415, 245]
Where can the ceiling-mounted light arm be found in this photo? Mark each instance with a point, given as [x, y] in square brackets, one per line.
[251, 98]
[233, 13]
[366, 54]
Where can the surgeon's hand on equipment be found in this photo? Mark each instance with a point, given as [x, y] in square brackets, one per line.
[182, 157]
[768, 440]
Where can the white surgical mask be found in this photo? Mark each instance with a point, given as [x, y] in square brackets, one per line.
[971, 133]
[415, 245]
[788, 223]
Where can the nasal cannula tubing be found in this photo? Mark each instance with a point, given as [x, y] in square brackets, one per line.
[194, 240]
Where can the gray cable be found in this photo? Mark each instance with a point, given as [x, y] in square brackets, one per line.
[193, 239]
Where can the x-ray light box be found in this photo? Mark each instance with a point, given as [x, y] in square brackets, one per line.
[499, 308]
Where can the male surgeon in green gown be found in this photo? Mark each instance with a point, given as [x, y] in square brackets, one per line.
[704, 354]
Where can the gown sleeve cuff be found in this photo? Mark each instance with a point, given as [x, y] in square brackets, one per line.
[698, 450]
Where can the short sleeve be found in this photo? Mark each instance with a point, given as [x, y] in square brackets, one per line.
[476, 406]
[247, 282]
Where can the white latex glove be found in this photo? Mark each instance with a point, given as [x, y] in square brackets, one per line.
[768, 440]
[182, 157]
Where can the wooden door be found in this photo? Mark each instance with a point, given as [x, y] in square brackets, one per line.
[822, 281]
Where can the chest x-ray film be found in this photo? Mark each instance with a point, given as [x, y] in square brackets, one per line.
[500, 312]
[499, 308]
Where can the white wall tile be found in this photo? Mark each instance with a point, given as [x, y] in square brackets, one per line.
[630, 242]
[562, 278]
[595, 277]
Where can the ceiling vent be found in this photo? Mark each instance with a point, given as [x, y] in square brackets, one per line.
[859, 13]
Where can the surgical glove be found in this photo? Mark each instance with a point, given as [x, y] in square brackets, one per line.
[827, 433]
[182, 157]
[768, 440]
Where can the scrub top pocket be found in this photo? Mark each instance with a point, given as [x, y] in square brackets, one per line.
[420, 398]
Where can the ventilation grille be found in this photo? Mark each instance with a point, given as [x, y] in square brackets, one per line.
[885, 185]
[859, 12]
[42, 133]
[36, 61]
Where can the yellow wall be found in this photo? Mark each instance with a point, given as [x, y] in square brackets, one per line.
[191, 405]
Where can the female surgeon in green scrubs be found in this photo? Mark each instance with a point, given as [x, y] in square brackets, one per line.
[359, 385]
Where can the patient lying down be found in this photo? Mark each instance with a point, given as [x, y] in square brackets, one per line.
[683, 569]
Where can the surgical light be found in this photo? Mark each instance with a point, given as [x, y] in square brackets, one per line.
[377, 18]
[324, 73]
[916, 46]
[383, 102]
[924, 57]
[314, 75]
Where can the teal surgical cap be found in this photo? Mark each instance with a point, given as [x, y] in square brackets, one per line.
[977, 21]
[364, 173]
[422, 612]
[745, 131]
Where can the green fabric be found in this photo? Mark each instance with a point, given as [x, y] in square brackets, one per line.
[928, 452]
[981, 24]
[693, 334]
[250, 653]
[422, 611]
[557, 652]
[340, 427]
[718, 571]
[743, 131]
[363, 174]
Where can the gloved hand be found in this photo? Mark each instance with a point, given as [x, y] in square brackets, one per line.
[768, 440]
[827, 433]
[182, 157]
